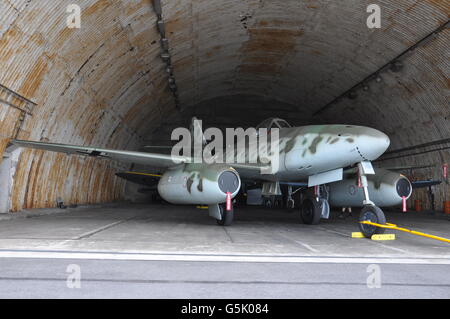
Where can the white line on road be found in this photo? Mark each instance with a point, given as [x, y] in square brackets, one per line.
[221, 258]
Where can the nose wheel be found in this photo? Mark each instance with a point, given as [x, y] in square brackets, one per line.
[372, 214]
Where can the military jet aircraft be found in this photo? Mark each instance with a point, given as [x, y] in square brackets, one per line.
[314, 155]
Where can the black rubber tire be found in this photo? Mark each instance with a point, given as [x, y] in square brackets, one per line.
[227, 216]
[310, 211]
[375, 215]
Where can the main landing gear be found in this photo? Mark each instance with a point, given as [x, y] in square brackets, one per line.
[315, 207]
[310, 211]
[272, 202]
[226, 216]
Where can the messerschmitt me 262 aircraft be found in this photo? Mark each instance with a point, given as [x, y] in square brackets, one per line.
[323, 158]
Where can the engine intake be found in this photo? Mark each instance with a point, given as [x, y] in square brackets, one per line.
[229, 182]
[403, 187]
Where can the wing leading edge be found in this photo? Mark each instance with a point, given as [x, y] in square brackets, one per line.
[144, 158]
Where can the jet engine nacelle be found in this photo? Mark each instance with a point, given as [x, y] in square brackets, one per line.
[199, 184]
[386, 188]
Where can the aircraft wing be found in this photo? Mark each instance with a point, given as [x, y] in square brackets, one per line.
[144, 158]
[150, 159]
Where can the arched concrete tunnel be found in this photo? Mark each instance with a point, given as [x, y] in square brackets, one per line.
[231, 63]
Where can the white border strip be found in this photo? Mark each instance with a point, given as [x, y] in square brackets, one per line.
[221, 258]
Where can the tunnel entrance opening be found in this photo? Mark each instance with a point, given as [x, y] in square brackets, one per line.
[7, 170]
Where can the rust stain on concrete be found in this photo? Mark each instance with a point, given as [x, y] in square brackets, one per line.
[34, 78]
[263, 52]
[98, 6]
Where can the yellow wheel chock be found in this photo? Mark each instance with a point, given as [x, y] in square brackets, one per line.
[395, 227]
[375, 236]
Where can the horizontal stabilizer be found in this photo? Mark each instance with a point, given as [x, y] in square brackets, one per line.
[422, 184]
[145, 179]
[404, 168]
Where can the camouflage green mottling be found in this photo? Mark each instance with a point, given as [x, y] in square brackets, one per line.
[318, 134]
[201, 172]
[335, 140]
[313, 147]
[329, 130]
[189, 183]
[290, 144]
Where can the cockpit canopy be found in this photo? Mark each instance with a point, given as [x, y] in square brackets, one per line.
[274, 123]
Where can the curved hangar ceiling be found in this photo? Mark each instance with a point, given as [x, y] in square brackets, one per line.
[234, 63]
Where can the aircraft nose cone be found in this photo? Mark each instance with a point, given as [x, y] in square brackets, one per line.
[373, 143]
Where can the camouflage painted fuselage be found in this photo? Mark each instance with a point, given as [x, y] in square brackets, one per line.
[309, 150]
[303, 151]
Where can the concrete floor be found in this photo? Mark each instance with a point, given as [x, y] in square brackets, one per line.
[162, 251]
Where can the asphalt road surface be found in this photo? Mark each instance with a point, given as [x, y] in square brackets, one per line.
[84, 278]
[160, 251]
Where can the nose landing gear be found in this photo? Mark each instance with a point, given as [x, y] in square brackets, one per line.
[370, 212]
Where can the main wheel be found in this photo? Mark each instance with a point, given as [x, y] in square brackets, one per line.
[311, 211]
[226, 216]
[372, 214]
